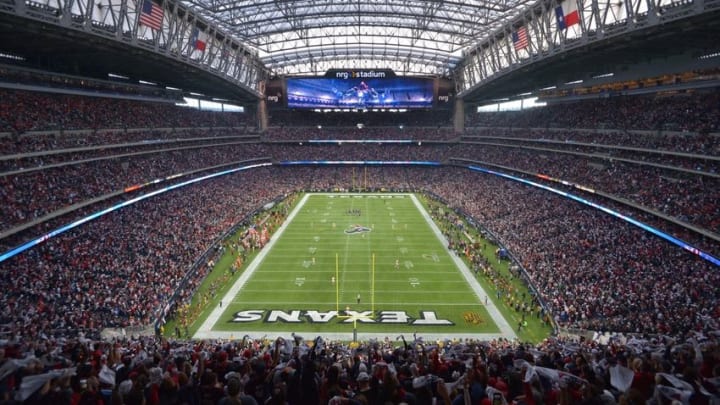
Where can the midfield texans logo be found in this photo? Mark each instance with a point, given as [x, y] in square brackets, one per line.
[354, 229]
[298, 316]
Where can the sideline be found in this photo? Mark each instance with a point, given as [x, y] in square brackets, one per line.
[205, 330]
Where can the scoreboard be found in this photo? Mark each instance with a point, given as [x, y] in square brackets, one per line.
[359, 90]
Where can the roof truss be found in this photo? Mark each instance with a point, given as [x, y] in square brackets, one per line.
[302, 36]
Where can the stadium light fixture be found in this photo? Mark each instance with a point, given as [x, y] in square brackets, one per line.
[710, 55]
[117, 76]
[604, 75]
[148, 83]
[575, 82]
[10, 56]
[548, 88]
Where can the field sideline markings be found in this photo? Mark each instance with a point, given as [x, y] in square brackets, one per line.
[362, 336]
[432, 282]
[378, 268]
[308, 290]
[387, 251]
[505, 329]
[361, 307]
[214, 316]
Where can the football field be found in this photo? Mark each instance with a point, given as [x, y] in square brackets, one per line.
[373, 264]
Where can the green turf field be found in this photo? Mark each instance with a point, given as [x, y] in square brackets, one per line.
[372, 262]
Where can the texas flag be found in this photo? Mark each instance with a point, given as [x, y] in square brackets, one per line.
[197, 40]
[567, 17]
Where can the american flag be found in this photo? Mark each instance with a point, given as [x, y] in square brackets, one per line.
[520, 38]
[151, 14]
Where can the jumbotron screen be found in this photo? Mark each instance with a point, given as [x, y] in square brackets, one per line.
[360, 93]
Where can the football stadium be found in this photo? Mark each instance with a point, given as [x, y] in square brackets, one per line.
[325, 202]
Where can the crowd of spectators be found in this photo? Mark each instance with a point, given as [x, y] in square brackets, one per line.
[296, 371]
[689, 198]
[32, 162]
[22, 111]
[12, 75]
[660, 196]
[359, 152]
[364, 133]
[593, 271]
[116, 270]
[101, 140]
[33, 194]
[694, 143]
[694, 111]
[412, 118]
[687, 193]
